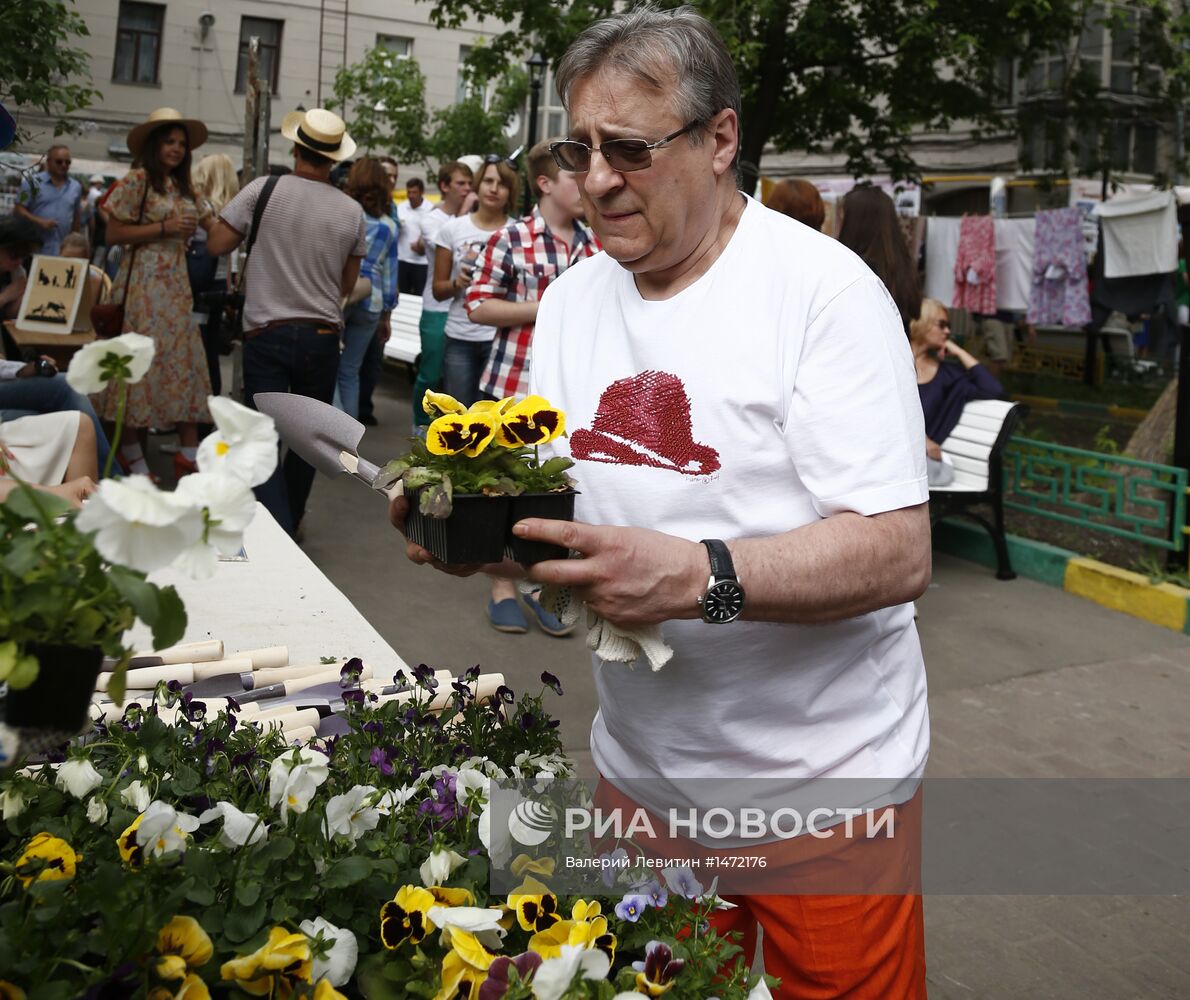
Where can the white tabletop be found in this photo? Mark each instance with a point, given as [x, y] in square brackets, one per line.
[278, 597]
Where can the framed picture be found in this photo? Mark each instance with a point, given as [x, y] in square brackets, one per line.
[54, 291]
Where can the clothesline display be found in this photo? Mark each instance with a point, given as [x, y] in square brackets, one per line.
[1013, 254]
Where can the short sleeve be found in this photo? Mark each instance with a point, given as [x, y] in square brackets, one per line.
[493, 277]
[125, 201]
[361, 241]
[237, 213]
[854, 428]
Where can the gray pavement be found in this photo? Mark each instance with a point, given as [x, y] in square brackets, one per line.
[1025, 681]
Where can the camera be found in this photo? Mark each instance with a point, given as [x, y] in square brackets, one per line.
[44, 368]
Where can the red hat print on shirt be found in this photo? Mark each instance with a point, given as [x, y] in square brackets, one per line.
[645, 420]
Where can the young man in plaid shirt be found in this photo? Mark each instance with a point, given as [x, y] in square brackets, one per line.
[517, 266]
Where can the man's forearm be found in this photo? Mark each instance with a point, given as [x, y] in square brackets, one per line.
[500, 312]
[22, 212]
[840, 567]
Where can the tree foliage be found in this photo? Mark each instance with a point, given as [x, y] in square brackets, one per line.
[854, 79]
[470, 127]
[40, 70]
[383, 100]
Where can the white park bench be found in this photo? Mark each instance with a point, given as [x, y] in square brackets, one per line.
[976, 447]
[405, 343]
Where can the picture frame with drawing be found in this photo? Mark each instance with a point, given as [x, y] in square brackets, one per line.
[55, 289]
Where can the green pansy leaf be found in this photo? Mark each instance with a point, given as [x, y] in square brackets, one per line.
[556, 466]
[137, 591]
[417, 477]
[23, 554]
[171, 619]
[42, 508]
[436, 500]
[346, 871]
[247, 893]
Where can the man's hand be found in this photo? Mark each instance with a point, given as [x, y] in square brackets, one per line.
[47, 224]
[398, 509]
[418, 245]
[933, 450]
[632, 577]
[384, 329]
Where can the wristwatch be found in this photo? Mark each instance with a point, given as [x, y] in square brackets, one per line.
[723, 600]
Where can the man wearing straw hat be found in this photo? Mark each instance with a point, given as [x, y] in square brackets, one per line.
[748, 443]
[306, 258]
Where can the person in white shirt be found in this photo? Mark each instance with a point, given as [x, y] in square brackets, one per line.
[411, 248]
[741, 406]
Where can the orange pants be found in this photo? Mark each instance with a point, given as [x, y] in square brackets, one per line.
[824, 946]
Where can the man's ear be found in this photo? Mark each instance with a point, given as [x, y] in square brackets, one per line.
[726, 136]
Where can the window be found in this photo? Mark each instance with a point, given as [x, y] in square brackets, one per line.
[269, 33]
[1123, 54]
[138, 42]
[463, 89]
[397, 45]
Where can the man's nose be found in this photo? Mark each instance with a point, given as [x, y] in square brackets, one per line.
[601, 178]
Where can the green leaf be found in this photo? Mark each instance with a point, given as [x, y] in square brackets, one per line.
[436, 500]
[346, 871]
[23, 554]
[171, 618]
[137, 591]
[242, 923]
[31, 505]
[247, 893]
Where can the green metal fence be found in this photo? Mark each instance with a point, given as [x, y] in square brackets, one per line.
[1141, 501]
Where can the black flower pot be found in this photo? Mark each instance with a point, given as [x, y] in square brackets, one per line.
[60, 697]
[555, 507]
[474, 532]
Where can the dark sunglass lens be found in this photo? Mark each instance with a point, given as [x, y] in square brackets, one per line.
[573, 156]
[627, 154]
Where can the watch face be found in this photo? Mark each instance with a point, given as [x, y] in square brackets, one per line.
[723, 602]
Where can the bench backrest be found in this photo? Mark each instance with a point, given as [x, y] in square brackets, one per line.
[405, 342]
[977, 442]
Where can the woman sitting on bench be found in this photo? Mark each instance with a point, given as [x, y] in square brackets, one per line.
[944, 388]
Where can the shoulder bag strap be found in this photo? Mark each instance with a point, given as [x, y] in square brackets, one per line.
[257, 214]
[140, 217]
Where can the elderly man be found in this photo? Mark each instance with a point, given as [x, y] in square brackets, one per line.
[743, 414]
[51, 199]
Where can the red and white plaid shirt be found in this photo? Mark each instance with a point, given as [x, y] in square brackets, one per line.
[517, 265]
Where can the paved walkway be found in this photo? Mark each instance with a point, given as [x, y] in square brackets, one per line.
[1025, 680]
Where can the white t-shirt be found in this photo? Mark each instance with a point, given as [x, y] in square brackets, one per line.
[430, 224]
[776, 390]
[410, 219]
[466, 242]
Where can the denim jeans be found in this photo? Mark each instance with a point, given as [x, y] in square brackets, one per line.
[369, 377]
[23, 397]
[291, 358]
[358, 330]
[462, 365]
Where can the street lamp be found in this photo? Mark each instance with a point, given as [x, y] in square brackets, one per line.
[536, 65]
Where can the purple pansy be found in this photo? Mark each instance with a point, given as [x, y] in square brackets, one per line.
[497, 983]
[631, 907]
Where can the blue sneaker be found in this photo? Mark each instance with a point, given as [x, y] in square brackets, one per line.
[507, 616]
[549, 622]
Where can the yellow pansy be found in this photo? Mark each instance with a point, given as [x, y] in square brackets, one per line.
[466, 964]
[451, 897]
[46, 859]
[522, 865]
[192, 988]
[531, 422]
[183, 945]
[10, 991]
[536, 908]
[499, 406]
[403, 918]
[590, 934]
[437, 404]
[274, 966]
[325, 991]
[132, 853]
[462, 433]
[584, 910]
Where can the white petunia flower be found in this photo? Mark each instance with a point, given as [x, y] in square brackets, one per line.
[97, 811]
[136, 796]
[437, 868]
[78, 777]
[138, 525]
[337, 965]
[475, 919]
[351, 814]
[229, 506]
[163, 829]
[239, 828]
[292, 785]
[553, 978]
[13, 802]
[127, 356]
[244, 443]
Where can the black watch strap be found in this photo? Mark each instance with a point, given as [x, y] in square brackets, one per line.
[721, 565]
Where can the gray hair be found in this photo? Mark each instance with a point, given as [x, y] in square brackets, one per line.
[656, 46]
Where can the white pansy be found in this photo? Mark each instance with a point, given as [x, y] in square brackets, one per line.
[553, 978]
[244, 443]
[142, 763]
[239, 828]
[163, 829]
[230, 506]
[472, 787]
[338, 964]
[92, 366]
[138, 525]
[294, 778]
[78, 777]
[97, 810]
[475, 919]
[13, 802]
[394, 799]
[352, 814]
[136, 796]
[437, 868]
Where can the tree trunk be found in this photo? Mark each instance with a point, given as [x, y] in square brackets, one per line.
[757, 113]
[1152, 441]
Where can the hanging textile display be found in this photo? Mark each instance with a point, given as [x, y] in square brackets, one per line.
[1140, 234]
[1059, 293]
[1014, 263]
[975, 265]
[942, 247]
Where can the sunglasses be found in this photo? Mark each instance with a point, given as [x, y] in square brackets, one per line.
[494, 158]
[622, 155]
[61, 163]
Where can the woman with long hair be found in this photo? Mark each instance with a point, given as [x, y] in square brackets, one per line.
[153, 213]
[215, 182]
[870, 228]
[460, 243]
[368, 184]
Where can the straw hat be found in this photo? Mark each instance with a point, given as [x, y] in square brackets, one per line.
[196, 131]
[319, 131]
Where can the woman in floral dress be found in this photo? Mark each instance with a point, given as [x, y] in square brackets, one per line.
[153, 211]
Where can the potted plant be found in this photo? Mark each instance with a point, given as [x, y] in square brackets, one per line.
[479, 471]
[72, 582]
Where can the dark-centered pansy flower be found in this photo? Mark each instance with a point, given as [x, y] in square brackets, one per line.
[437, 404]
[46, 859]
[655, 975]
[132, 852]
[462, 433]
[536, 908]
[530, 423]
[403, 918]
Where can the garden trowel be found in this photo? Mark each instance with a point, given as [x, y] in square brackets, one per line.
[323, 435]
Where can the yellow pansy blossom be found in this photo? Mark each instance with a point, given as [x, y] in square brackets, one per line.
[46, 859]
[183, 945]
[462, 433]
[437, 404]
[536, 908]
[274, 966]
[404, 917]
[533, 421]
[192, 988]
[466, 964]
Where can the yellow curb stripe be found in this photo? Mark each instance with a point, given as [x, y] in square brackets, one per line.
[1122, 590]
